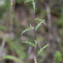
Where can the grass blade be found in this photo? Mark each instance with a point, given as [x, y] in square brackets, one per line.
[11, 58]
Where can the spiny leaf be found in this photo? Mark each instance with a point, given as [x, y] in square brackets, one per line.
[27, 29]
[11, 58]
[40, 20]
[29, 43]
[42, 49]
[38, 25]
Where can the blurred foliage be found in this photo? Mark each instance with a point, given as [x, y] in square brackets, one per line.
[4, 7]
[58, 56]
[17, 48]
[15, 45]
[11, 58]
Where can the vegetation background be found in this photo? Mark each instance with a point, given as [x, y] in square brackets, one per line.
[22, 16]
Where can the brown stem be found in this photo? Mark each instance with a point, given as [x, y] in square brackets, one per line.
[36, 49]
[3, 42]
[35, 21]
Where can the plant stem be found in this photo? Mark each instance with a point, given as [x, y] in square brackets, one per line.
[3, 42]
[35, 21]
[35, 30]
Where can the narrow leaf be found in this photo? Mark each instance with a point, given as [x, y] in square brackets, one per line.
[38, 26]
[27, 29]
[33, 2]
[40, 20]
[31, 27]
[11, 58]
[36, 42]
[33, 6]
[42, 49]
[29, 43]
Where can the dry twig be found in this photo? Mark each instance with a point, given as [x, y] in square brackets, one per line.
[35, 59]
[3, 42]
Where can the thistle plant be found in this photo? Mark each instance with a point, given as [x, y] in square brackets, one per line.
[34, 28]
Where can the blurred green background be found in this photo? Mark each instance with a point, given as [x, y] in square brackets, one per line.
[22, 16]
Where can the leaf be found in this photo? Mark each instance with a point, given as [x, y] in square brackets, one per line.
[33, 3]
[11, 58]
[36, 42]
[31, 27]
[29, 43]
[33, 6]
[42, 49]
[27, 29]
[40, 20]
[38, 26]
